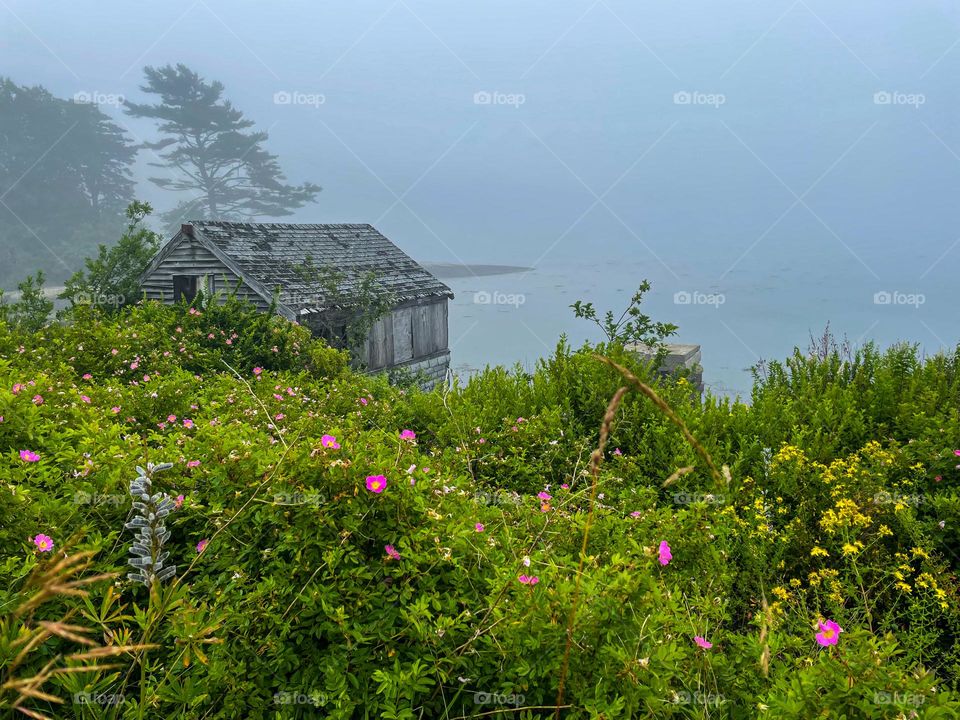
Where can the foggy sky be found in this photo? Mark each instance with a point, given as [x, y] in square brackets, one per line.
[800, 170]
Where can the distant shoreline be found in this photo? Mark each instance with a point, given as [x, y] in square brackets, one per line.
[458, 270]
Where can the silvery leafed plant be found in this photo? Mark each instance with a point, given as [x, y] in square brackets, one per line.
[148, 522]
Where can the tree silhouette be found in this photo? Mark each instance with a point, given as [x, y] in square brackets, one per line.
[206, 141]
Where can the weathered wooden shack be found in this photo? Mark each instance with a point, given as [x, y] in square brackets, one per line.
[263, 261]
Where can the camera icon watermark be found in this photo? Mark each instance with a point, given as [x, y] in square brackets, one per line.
[95, 97]
[484, 297]
[85, 498]
[888, 498]
[484, 698]
[896, 297]
[299, 498]
[695, 97]
[886, 97]
[99, 299]
[684, 697]
[693, 498]
[295, 97]
[898, 698]
[495, 97]
[686, 297]
[88, 698]
[297, 697]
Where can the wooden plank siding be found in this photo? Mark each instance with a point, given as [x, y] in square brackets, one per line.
[409, 332]
[191, 258]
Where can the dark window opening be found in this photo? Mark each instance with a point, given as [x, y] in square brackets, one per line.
[184, 288]
[335, 335]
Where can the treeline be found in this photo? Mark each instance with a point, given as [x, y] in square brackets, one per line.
[67, 168]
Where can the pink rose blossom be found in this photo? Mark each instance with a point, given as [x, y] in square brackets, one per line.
[392, 552]
[408, 435]
[29, 456]
[829, 633]
[702, 642]
[665, 555]
[478, 527]
[376, 483]
[202, 545]
[329, 441]
[43, 542]
[529, 579]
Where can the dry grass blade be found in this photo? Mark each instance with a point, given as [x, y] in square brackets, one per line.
[70, 632]
[668, 411]
[62, 577]
[678, 473]
[32, 714]
[596, 459]
[111, 651]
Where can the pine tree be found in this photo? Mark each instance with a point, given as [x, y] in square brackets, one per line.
[213, 154]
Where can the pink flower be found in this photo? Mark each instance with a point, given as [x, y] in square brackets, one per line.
[85, 399]
[408, 435]
[329, 441]
[193, 464]
[617, 451]
[18, 388]
[171, 418]
[665, 555]
[529, 579]
[565, 486]
[115, 409]
[146, 378]
[956, 452]
[392, 552]
[257, 371]
[702, 642]
[38, 400]
[543, 496]
[376, 483]
[178, 503]
[43, 542]
[478, 527]
[114, 351]
[134, 365]
[363, 401]
[88, 376]
[829, 633]
[187, 423]
[202, 545]
[29, 456]
[279, 416]
[938, 478]
[635, 514]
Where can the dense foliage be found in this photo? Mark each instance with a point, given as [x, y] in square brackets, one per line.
[345, 548]
[68, 149]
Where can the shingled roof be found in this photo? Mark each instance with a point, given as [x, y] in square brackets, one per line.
[271, 252]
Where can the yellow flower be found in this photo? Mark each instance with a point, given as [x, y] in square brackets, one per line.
[920, 553]
[818, 552]
[903, 586]
[884, 531]
[781, 593]
[849, 549]
[795, 583]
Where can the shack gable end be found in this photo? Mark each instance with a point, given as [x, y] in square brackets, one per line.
[190, 257]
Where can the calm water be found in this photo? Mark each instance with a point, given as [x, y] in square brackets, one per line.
[745, 316]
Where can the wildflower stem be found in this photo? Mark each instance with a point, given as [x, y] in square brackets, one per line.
[596, 459]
